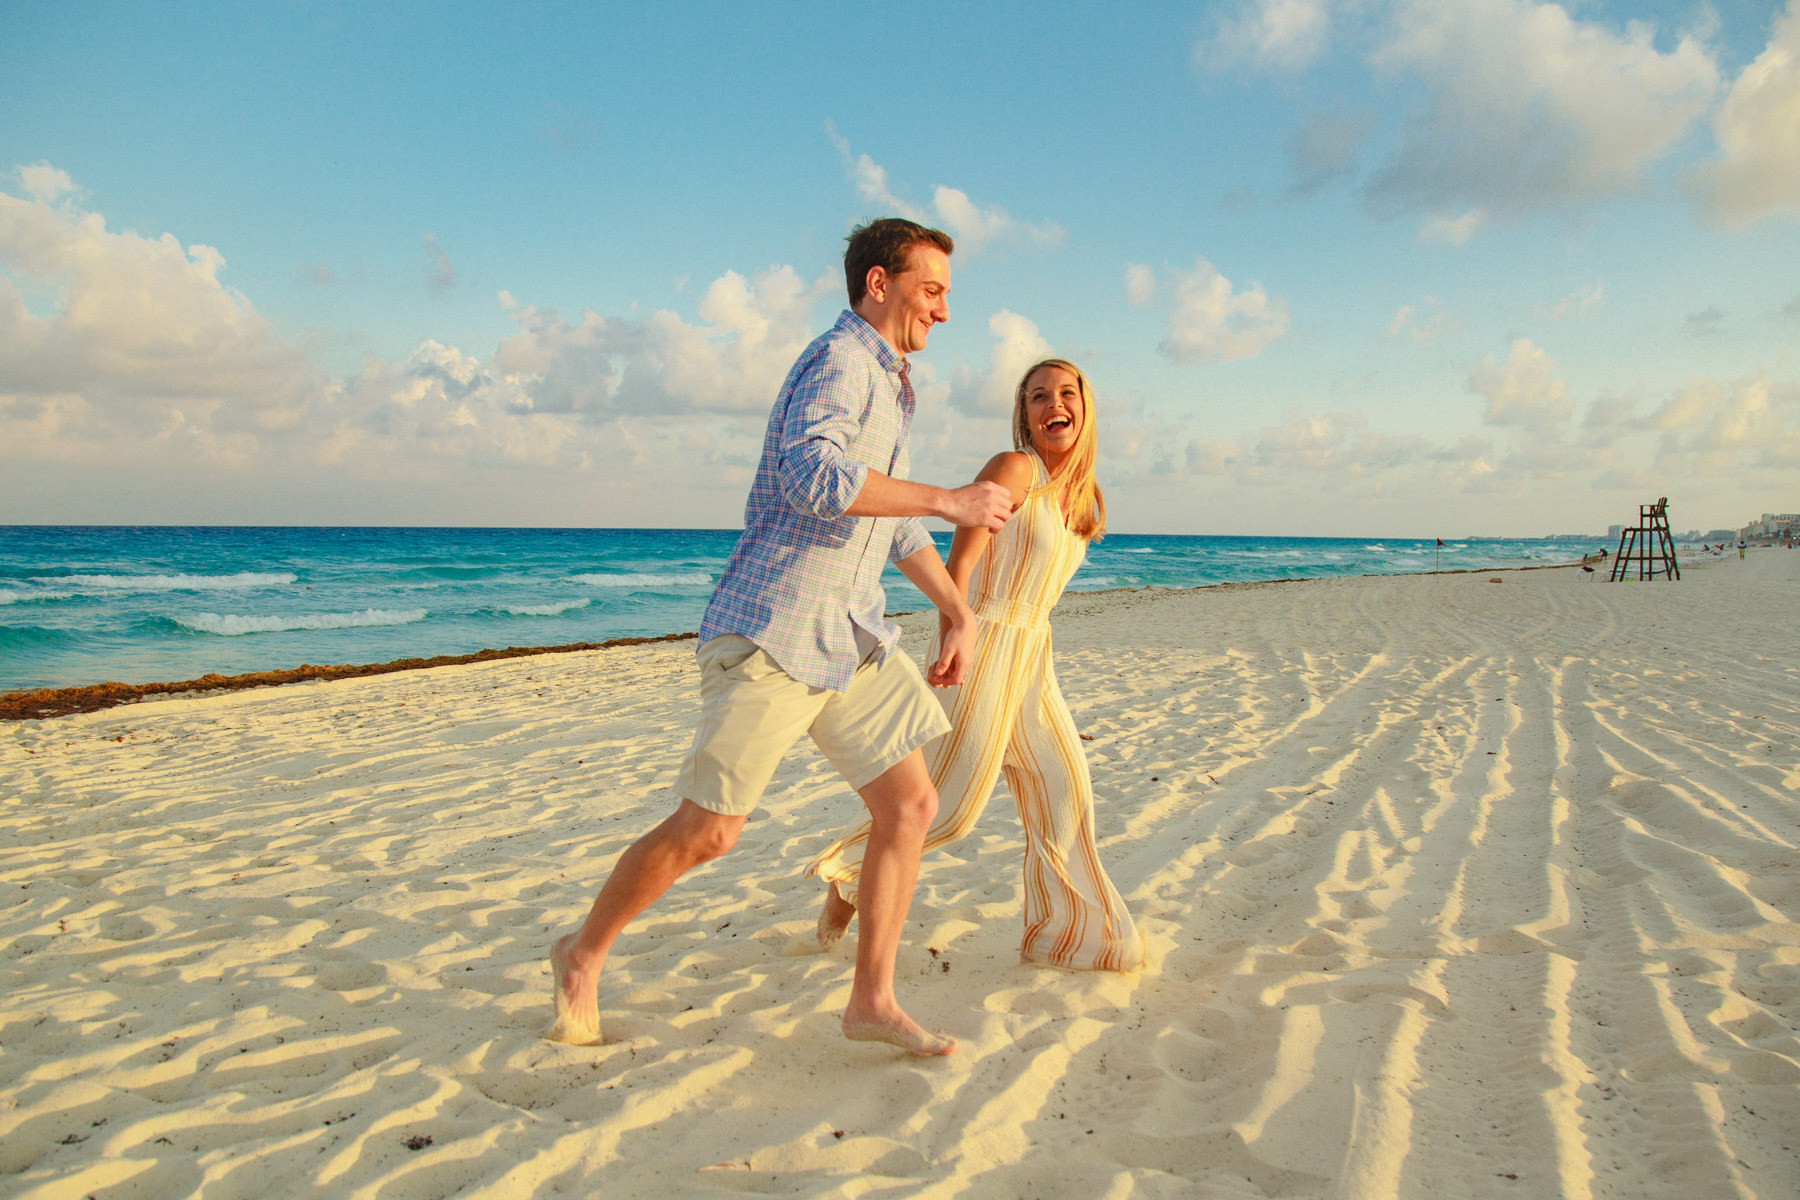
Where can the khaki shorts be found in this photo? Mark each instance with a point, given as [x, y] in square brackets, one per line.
[752, 712]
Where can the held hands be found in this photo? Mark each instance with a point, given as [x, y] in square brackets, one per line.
[956, 647]
[983, 504]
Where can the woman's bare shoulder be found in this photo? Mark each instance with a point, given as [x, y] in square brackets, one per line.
[1010, 469]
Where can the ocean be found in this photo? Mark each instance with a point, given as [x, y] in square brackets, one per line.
[134, 604]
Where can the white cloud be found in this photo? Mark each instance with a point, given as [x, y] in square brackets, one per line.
[1340, 443]
[1530, 109]
[1708, 434]
[1418, 324]
[1212, 456]
[1525, 393]
[124, 320]
[1452, 231]
[126, 361]
[1711, 443]
[1140, 285]
[1608, 415]
[972, 225]
[1578, 304]
[953, 434]
[989, 393]
[1750, 426]
[1757, 131]
[1270, 34]
[1214, 323]
[616, 411]
[1684, 411]
[662, 365]
[46, 184]
[870, 179]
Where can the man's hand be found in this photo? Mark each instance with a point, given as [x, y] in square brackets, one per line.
[983, 504]
[956, 649]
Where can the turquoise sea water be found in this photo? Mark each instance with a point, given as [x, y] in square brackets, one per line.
[85, 604]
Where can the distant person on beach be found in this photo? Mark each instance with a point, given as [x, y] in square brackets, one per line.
[1009, 716]
[794, 639]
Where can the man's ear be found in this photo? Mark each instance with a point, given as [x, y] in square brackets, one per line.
[876, 284]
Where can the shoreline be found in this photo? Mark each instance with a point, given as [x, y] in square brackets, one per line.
[31, 704]
[46, 703]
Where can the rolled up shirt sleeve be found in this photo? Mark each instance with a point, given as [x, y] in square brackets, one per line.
[909, 538]
[817, 474]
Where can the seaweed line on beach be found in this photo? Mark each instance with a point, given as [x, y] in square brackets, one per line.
[62, 702]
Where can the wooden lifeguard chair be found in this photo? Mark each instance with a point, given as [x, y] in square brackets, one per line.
[1648, 544]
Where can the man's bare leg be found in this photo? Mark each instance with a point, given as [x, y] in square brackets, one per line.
[901, 805]
[688, 837]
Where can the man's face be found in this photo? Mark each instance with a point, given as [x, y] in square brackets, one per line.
[917, 299]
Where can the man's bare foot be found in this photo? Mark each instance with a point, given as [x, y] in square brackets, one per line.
[577, 1019]
[901, 1031]
[834, 918]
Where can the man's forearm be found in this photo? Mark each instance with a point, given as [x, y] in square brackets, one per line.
[885, 496]
[983, 503]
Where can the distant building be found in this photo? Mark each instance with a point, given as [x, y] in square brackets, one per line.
[1772, 527]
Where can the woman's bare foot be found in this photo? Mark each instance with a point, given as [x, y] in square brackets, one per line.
[834, 918]
[896, 1029]
[573, 995]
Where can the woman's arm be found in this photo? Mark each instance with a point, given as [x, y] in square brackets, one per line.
[956, 624]
[1012, 471]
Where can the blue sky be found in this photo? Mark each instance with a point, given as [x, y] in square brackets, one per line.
[1344, 267]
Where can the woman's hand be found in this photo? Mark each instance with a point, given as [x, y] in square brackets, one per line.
[956, 649]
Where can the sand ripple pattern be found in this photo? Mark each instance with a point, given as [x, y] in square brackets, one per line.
[1452, 888]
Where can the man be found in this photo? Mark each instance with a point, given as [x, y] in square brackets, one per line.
[794, 639]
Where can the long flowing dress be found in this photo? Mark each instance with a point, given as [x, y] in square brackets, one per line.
[1009, 716]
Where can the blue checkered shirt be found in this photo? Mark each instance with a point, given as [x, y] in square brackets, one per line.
[803, 577]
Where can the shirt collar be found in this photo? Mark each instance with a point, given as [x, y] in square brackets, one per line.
[890, 359]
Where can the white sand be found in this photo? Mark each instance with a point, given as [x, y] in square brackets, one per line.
[1453, 888]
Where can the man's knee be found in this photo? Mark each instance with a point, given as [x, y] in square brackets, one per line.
[902, 801]
[915, 808]
[705, 834]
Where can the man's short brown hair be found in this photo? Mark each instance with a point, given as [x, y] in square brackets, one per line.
[886, 242]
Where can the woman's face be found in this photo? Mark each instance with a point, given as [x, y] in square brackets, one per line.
[1054, 413]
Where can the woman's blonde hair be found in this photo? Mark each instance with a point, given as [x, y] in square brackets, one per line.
[1077, 494]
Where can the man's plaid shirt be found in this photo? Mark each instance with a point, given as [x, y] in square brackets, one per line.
[804, 575]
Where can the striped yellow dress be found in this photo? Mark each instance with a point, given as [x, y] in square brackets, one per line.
[1009, 716]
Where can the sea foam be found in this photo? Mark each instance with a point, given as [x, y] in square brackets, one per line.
[172, 583]
[686, 579]
[546, 610]
[232, 625]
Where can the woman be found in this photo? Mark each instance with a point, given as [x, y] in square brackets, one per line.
[1008, 714]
